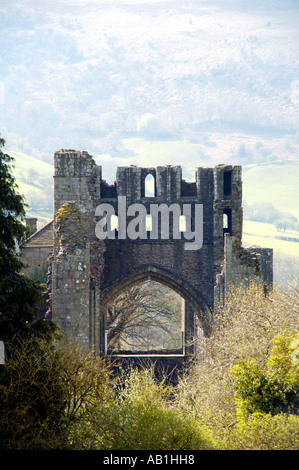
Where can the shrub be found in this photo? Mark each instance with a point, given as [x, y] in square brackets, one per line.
[266, 432]
[253, 331]
[140, 418]
[271, 387]
[44, 388]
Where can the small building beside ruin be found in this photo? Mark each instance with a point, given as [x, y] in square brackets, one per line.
[36, 252]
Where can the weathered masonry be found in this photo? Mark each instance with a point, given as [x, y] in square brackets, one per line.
[87, 273]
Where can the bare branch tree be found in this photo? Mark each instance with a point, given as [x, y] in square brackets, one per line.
[145, 316]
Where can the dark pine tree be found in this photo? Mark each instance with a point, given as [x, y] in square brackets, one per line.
[20, 296]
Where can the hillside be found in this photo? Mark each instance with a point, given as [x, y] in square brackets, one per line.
[152, 82]
[285, 248]
[276, 183]
[90, 75]
[35, 182]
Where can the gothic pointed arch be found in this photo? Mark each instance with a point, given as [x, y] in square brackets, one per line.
[155, 273]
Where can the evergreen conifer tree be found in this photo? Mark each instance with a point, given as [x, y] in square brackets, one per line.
[20, 296]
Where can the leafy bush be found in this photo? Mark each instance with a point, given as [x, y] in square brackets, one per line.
[272, 387]
[254, 336]
[140, 418]
[262, 431]
[43, 389]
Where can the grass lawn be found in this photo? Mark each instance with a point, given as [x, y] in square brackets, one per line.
[257, 233]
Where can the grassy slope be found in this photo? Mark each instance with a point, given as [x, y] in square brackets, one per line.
[257, 233]
[35, 181]
[25, 162]
[285, 253]
[275, 183]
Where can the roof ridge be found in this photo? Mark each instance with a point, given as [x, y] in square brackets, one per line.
[39, 231]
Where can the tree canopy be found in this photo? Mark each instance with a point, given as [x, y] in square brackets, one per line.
[20, 296]
[12, 212]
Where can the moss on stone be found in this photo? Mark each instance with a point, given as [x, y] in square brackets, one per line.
[71, 225]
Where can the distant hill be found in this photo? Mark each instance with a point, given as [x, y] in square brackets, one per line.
[150, 83]
[90, 75]
[285, 252]
[277, 183]
[35, 182]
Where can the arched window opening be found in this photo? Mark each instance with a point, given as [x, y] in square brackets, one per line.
[227, 221]
[183, 223]
[149, 223]
[114, 222]
[146, 318]
[149, 186]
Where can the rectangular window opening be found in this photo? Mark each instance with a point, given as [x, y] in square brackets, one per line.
[227, 183]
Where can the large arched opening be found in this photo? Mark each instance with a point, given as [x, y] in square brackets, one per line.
[152, 313]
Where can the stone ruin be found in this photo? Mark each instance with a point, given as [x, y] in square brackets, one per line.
[87, 273]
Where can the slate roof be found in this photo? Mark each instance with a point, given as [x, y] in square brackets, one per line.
[43, 236]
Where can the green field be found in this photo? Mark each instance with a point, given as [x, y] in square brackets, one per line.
[265, 235]
[277, 183]
[285, 253]
[34, 178]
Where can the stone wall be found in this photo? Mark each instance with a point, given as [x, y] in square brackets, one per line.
[87, 273]
[243, 266]
[36, 259]
[75, 185]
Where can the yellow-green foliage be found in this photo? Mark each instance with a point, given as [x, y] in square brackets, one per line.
[140, 418]
[246, 381]
[241, 394]
[262, 431]
[272, 387]
[45, 387]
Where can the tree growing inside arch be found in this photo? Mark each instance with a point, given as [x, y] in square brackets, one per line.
[145, 318]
